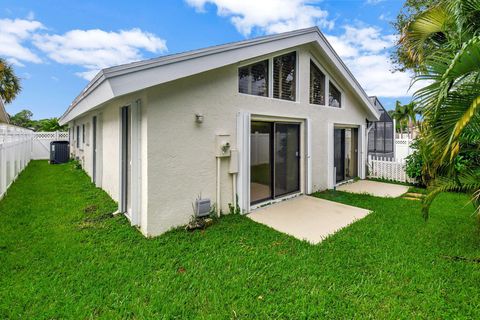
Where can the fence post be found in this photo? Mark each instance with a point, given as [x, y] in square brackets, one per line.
[3, 171]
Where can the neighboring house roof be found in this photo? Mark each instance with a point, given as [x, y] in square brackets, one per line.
[3, 114]
[384, 116]
[124, 79]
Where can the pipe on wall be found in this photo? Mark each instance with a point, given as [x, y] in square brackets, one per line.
[219, 163]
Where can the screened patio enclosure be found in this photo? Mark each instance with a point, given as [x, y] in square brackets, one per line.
[381, 137]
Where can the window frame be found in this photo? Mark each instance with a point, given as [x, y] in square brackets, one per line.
[83, 134]
[268, 80]
[78, 137]
[270, 58]
[325, 85]
[339, 88]
[328, 79]
[296, 73]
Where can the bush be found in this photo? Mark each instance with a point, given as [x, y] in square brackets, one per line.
[414, 164]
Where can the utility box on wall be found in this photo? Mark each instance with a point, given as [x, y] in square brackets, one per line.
[223, 145]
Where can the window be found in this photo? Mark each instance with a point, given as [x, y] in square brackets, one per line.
[83, 133]
[253, 79]
[317, 85]
[284, 76]
[78, 136]
[335, 96]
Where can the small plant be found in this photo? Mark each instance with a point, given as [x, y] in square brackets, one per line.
[76, 164]
[234, 209]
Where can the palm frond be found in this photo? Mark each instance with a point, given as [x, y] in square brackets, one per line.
[468, 181]
[422, 28]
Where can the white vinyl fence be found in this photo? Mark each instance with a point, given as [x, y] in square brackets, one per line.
[403, 148]
[389, 169]
[18, 146]
[41, 143]
[15, 154]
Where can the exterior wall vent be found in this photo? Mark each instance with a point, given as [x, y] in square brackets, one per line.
[202, 207]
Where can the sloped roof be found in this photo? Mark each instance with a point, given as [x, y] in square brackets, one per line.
[3, 114]
[124, 79]
[384, 116]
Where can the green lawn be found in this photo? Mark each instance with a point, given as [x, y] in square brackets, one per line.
[63, 256]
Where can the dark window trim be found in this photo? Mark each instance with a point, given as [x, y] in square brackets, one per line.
[78, 136]
[267, 77]
[316, 65]
[331, 84]
[295, 78]
[83, 133]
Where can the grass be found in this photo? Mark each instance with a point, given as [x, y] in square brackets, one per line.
[62, 255]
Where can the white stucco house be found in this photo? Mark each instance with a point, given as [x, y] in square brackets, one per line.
[246, 123]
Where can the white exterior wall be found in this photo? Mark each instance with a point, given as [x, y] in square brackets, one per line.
[108, 148]
[181, 153]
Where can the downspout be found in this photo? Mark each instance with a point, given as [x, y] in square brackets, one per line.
[219, 163]
[367, 131]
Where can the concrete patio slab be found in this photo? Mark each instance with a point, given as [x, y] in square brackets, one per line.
[308, 218]
[374, 188]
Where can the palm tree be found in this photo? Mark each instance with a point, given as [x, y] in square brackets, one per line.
[450, 103]
[405, 115]
[399, 115]
[9, 82]
[411, 116]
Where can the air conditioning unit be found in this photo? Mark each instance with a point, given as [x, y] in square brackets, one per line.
[202, 207]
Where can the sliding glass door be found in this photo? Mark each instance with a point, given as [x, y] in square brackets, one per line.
[275, 160]
[345, 153]
[339, 154]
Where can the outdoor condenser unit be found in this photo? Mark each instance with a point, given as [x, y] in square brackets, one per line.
[202, 207]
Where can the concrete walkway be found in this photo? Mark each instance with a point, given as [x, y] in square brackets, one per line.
[308, 218]
[374, 188]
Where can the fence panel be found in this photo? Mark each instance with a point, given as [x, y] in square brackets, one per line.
[15, 154]
[403, 148]
[18, 146]
[41, 143]
[389, 169]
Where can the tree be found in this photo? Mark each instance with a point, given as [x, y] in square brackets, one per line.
[443, 41]
[409, 12]
[22, 119]
[9, 82]
[49, 125]
[400, 116]
[405, 115]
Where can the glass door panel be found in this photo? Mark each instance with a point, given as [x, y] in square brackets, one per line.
[351, 153]
[287, 158]
[261, 168]
[339, 154]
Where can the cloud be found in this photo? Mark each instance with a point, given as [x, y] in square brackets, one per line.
[268, 16]
[365, 50]
[374, 2]
[30, 15]
[97, 49]
[14, 35]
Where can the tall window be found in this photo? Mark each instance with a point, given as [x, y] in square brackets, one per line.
[78, 136]
[253, 79]
[284, 76]
[317, 85]
[335, 96]
[83, 133]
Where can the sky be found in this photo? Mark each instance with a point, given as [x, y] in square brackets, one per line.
[56, 47]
